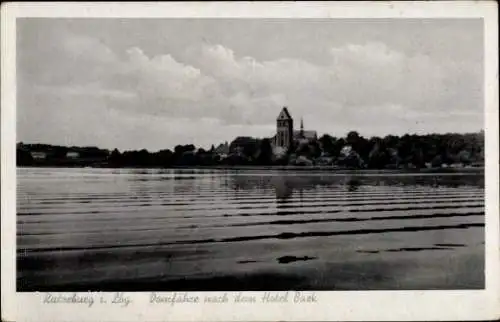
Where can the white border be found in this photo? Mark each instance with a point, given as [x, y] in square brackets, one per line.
[346, 306]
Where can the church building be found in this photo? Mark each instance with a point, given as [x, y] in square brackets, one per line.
[286, 136]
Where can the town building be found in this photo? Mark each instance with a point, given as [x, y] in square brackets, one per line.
[222, 149]
[286, 136]
[72, 155]
[284, 129]
[38, 155]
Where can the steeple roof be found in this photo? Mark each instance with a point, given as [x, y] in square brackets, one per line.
[284, 114]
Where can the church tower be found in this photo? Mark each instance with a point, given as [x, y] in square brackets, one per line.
[284, 129]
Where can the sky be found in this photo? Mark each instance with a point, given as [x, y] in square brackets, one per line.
[157, 83]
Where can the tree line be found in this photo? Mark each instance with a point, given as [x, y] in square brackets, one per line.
[351, 151]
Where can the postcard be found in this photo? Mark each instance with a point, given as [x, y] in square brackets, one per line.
[246, 161]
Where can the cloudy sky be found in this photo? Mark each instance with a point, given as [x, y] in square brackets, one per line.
[156, 83]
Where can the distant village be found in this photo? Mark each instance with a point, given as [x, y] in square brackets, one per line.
[287, 147]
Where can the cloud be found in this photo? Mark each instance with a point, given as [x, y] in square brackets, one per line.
[91, 90]
[210, 93]
[89, 49]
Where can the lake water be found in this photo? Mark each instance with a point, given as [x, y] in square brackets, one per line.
[140, 230]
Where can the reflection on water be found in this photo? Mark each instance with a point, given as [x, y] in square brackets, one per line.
[285, 185]
[77, 227]
[353, 185]
[283, 190]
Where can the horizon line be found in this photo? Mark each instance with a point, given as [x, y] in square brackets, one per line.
[258, 138]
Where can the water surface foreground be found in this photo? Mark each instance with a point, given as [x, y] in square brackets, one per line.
[224, 230]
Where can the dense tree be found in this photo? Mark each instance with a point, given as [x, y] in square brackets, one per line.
[378, 156]
[187, 158]
[353, 151]
[416, 157]
[315, 149]
[327, 143]
[437, 161]
[248, 146]
[265, 153]
[180, 149]
[164, 158]
[23, 157]
[303, 149]
[350, 158]
[352, 138]
[115, 158]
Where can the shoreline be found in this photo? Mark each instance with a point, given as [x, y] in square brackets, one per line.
[461, 170]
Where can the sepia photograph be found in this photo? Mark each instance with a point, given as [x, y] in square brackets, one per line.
[278, 155]
[250, 155]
